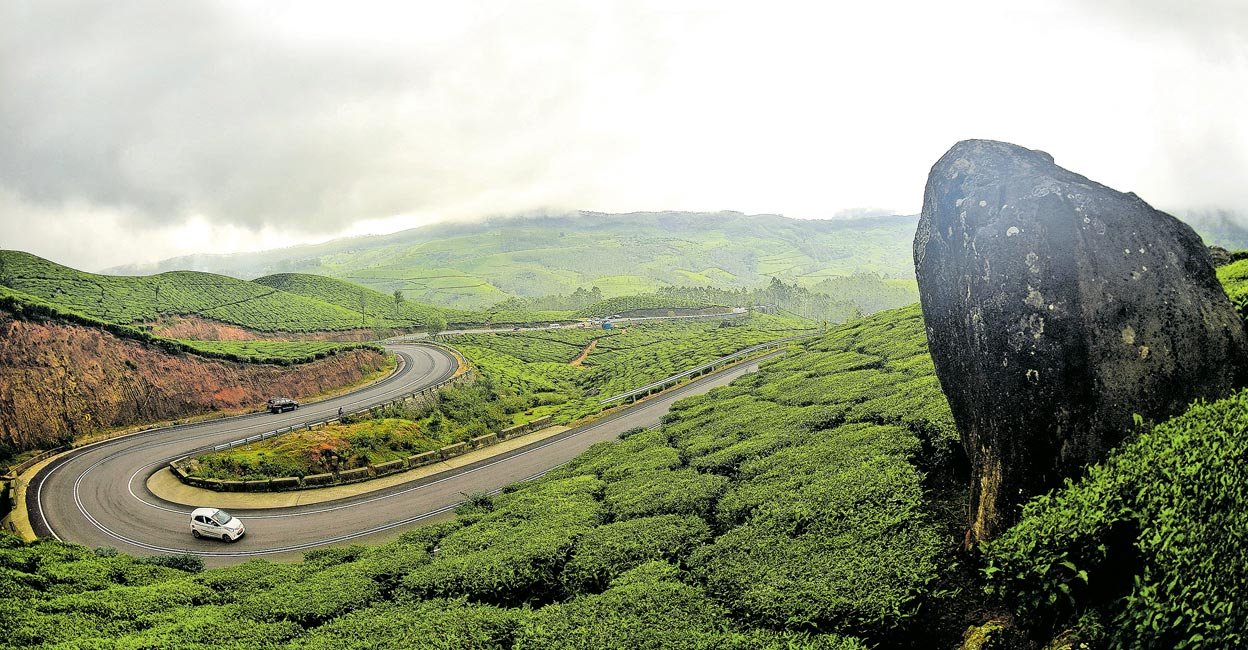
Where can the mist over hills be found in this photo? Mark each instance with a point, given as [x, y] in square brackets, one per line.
[473, 265]
[1225, 228]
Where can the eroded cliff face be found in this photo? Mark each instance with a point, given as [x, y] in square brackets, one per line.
[59, 381]
[1056, 309]
[206, 329]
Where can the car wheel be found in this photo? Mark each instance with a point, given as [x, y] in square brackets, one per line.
[225, 538]
[194, 533]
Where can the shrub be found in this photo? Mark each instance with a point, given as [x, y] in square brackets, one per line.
[182, 562]
[605, 552]
[1149, 549]
[650, 607]
[315, 597]
[681, 492]
[436, 624]
[476, 502]
[208, 627]
[515, 553]
[647, 607]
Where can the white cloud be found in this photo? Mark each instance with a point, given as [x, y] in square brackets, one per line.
[317, 119]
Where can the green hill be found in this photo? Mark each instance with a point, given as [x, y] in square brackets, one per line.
[130, 300]
[25, 305]
[386, 310]
[784, 511]
[817, 503]
[474, 265]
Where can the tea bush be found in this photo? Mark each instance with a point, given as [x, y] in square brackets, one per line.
[1149, 549]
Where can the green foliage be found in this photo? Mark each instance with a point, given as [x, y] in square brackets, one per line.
[1149, 549]
[25, 305]
[279, 352]
[182, 561]
[475, 502]
[205, 627]
[534, 366]
[393, 433]
[514, 553]
[124, 300]
[680, 492]
[315, 597]
[750, 519]
[835, 298]
[607, 551]
[373, 307]
[436, 624]
[830, 531]
[522, 376]
[1234, 279]
[651, 607]
[649, 302]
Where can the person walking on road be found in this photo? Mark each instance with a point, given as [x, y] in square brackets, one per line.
[339, 411]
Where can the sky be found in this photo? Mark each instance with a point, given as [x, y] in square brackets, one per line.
[135, 131]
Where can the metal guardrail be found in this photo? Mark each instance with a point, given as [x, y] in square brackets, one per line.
[706, 366]
[308, 425]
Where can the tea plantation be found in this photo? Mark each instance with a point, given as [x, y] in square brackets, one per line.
[276, 352]
[374, 307]
[750, 520]
[640, 302]
[521, 376]
[538, 363]
[1150, 549]
[1234, 278]
[803, 506]
[129, 300]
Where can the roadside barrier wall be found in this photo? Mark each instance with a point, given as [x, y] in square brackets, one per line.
[178, 467]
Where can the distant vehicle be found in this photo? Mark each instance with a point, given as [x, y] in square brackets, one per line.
[280, 404]
[516, 328]
[217, 524]
[606, 325]
[615, 316]
[553, 325]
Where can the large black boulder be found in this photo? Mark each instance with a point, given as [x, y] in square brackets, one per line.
[1057, 308]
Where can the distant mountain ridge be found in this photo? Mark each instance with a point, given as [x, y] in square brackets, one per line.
[472, 265]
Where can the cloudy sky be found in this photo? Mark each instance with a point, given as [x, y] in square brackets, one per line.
[134, 131]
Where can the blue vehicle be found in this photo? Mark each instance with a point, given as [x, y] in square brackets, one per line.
[606, 325]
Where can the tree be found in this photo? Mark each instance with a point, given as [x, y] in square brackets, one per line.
[436, 324]
[398, 300]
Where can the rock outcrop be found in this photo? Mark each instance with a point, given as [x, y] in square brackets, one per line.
[1056, 308]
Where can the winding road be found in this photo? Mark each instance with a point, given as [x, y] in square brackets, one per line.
[98, 496]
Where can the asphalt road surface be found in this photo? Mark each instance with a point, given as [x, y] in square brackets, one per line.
[98, 496]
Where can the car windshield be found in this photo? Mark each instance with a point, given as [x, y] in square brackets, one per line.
[222, 517]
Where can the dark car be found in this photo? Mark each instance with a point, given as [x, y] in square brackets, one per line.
[280, 404]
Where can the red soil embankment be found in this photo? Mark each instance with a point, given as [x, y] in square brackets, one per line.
[206, 329]
[59, 381]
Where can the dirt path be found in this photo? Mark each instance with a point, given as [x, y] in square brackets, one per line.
[580, 358]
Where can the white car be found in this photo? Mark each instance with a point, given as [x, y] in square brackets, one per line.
[217, 524]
